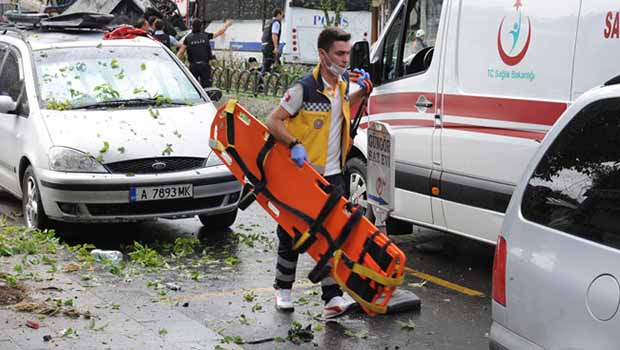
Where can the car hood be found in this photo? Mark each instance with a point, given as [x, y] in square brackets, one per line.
[134, 133]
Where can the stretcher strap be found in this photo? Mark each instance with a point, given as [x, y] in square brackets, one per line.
[303, 242]
[365, 271]
[360, 291]
[379, 254]
[320, 271]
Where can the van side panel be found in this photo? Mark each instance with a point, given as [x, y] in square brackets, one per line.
[507, 79]
[597, 58]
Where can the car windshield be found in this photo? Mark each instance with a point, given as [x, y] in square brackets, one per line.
[89, 77]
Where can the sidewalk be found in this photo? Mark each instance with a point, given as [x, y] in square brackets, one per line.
[112, 312]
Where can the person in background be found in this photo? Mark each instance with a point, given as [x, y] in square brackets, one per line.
[143, 24]
[151, 21]
[198, 47]
[168, 40]
[271, 40]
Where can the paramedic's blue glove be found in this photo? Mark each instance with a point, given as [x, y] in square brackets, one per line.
[299, 155]
[362, 78]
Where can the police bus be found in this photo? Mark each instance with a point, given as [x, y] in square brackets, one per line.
[303, 21]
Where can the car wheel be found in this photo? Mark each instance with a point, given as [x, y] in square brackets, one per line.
[219, 221]
[32, 207]
[356, 174]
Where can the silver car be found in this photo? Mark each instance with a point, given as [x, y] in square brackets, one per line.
[96, 130]
[557, 261]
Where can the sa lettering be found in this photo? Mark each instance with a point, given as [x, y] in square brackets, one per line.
[612, 25]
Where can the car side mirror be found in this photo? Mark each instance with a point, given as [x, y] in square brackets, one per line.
[214, 94]
[7, 104]
[360, 56]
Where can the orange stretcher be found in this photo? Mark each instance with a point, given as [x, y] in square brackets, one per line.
[360, 258]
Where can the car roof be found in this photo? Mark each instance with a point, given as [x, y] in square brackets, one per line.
[40, 40]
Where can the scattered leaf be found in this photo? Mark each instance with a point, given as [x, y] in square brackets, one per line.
[409, 325]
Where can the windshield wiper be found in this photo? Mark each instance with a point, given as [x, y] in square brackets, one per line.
[131, 102]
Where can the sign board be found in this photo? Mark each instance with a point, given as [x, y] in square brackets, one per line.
[381, 168]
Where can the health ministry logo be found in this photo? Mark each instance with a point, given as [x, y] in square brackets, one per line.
[512, 50]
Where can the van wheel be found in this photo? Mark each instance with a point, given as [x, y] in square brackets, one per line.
[356, 175]
[395, 227]
[219, 221]
[32, 205]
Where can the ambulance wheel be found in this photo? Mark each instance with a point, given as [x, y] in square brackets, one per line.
[356, 176]
[219, 221]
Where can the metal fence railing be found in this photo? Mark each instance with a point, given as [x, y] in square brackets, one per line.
[252, 81]
[234, 75]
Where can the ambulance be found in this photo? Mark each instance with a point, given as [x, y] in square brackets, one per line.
[469, 102]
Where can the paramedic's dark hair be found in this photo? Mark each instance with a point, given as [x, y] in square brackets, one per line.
[152, 20]
[329, 35]
[197, 25]
[159, 24]
[277, 12]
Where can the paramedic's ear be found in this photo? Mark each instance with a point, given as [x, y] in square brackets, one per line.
[322, 55]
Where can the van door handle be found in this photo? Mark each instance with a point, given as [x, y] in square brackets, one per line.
[424, 104]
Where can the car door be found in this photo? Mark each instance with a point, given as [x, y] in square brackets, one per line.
[407, 74]
[11, 84]
[562, 266]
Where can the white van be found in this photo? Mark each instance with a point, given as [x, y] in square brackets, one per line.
[471, 101]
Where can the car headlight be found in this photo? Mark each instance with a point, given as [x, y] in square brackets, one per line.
[213, 160]
[70, 160]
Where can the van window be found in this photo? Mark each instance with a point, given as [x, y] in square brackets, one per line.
[391, 48]
[422, 27]
[576, 185]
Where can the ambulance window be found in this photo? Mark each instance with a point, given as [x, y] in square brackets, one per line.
[391, 49]
[422, 27]
[576, 186]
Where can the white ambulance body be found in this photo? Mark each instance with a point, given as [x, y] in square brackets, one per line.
[469, 111]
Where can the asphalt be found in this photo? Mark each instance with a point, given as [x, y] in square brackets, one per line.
[234, 298]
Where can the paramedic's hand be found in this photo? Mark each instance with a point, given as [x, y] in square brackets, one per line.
[299, 155]
[362, 78]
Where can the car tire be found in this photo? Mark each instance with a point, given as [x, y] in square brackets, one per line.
[396, 227]
[219, 221]
[32, 206]
[356, 177]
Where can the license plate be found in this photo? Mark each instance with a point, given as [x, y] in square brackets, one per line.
[156, 193]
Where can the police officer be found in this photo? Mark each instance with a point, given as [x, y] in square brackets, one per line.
[271, 40]
[313, 120]
[168, 40]
[199, 50]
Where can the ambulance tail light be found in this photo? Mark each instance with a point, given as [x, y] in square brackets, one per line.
[499, 272]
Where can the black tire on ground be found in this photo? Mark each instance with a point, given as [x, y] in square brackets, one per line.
[395, 227]
[32, 206]
[356, 178]
[219, 221]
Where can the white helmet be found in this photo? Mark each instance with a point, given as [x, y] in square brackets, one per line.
[420, 33]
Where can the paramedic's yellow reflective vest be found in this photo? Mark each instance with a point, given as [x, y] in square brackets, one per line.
[311, 124]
